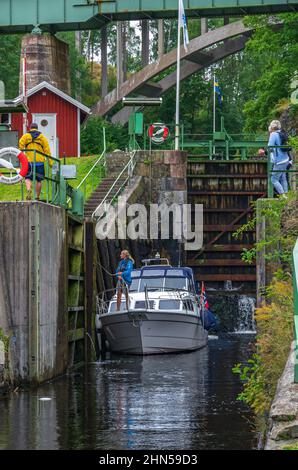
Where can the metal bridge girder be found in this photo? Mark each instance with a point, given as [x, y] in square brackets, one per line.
[22, 15]
[137, 80]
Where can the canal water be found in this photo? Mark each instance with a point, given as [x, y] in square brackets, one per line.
[181, 401]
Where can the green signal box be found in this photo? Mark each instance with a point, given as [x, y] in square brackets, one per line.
[136, 124]
[219, 135]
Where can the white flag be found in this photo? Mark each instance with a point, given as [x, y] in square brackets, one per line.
[182, 24]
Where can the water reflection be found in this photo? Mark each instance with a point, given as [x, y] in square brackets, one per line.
[181, 401]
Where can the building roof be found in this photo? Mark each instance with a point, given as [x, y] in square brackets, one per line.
[13, 106]
[60, 93]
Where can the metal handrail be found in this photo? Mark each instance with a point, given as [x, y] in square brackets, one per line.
[295, 289]
[97, 161]
[128, 167]
[270, 170]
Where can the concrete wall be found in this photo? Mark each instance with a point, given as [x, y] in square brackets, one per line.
[47, 60]
[33, 304]
[160, 177]
[283, 423]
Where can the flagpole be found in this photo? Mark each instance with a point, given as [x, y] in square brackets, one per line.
[214, 105]
[214, 112]
[177, 121]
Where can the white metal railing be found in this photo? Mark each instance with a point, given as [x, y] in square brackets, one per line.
[102, 156]
[129, 168]
[97, 161]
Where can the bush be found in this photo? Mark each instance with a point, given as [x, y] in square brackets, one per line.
[92, 136]
[275, 333]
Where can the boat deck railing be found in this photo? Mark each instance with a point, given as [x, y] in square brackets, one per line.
[104, 298]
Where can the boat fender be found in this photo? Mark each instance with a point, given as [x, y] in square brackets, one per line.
[21, 173]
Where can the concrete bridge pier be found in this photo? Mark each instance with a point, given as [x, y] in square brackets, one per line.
[47, 60]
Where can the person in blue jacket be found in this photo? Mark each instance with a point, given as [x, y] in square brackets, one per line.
[279, 158]
[123, 273]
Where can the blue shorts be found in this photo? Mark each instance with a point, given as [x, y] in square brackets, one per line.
[39, 172]
[122, 285]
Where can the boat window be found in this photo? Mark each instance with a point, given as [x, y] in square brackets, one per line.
[135, 273]
[169, 304]
[134, 285]
[153, 273]
[142, 304]
[188, 305]
[176, 282]
[151, 283]
[113, 306]
[175, 272]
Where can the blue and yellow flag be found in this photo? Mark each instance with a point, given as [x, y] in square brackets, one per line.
[217, 90]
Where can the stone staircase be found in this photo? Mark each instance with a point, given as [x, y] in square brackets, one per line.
[115, 164]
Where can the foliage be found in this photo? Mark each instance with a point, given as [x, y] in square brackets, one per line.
[83, 85]
[13, 193]
[275, 48]
[84, 164]
[275, 332]
[10, 50]
[275, 317]
[294, 446]
[260, 89]
[92, 136]
[277, 246]
[5, 340]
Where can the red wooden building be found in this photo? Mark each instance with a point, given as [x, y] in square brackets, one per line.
[58, 116]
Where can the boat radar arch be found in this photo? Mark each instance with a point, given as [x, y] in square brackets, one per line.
[157, 261]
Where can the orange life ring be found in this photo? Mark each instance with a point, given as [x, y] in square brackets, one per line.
[6, 164]
[158, 132]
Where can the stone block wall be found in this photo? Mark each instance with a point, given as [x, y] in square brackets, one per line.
[47, 59]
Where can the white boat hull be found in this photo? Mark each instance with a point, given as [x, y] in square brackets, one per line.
[153, 332]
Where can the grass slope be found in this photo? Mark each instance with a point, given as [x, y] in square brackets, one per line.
[83, 164]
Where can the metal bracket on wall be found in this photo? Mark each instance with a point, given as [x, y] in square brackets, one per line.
[93, 2]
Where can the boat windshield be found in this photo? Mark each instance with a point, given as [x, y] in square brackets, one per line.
[152, 283]
[176, 282]
[159, 283]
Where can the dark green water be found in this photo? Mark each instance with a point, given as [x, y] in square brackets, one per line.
[181, 401]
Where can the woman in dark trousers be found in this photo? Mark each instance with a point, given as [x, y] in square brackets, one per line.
[123, 274]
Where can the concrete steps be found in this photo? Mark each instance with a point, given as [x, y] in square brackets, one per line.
[101, 191]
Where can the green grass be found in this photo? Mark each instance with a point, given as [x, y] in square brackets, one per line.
[291, 447]
[83, 164]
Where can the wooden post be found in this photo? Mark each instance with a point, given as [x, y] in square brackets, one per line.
[90, 289]
[34, 294]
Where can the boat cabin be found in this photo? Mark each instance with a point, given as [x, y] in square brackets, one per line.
[162, 277]
[162, 301]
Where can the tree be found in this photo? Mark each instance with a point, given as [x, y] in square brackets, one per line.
[92, 136]
[10, 52]
[275, 48]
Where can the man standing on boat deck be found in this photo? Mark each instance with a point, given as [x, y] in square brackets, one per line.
[35, 140]
[123, 273]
